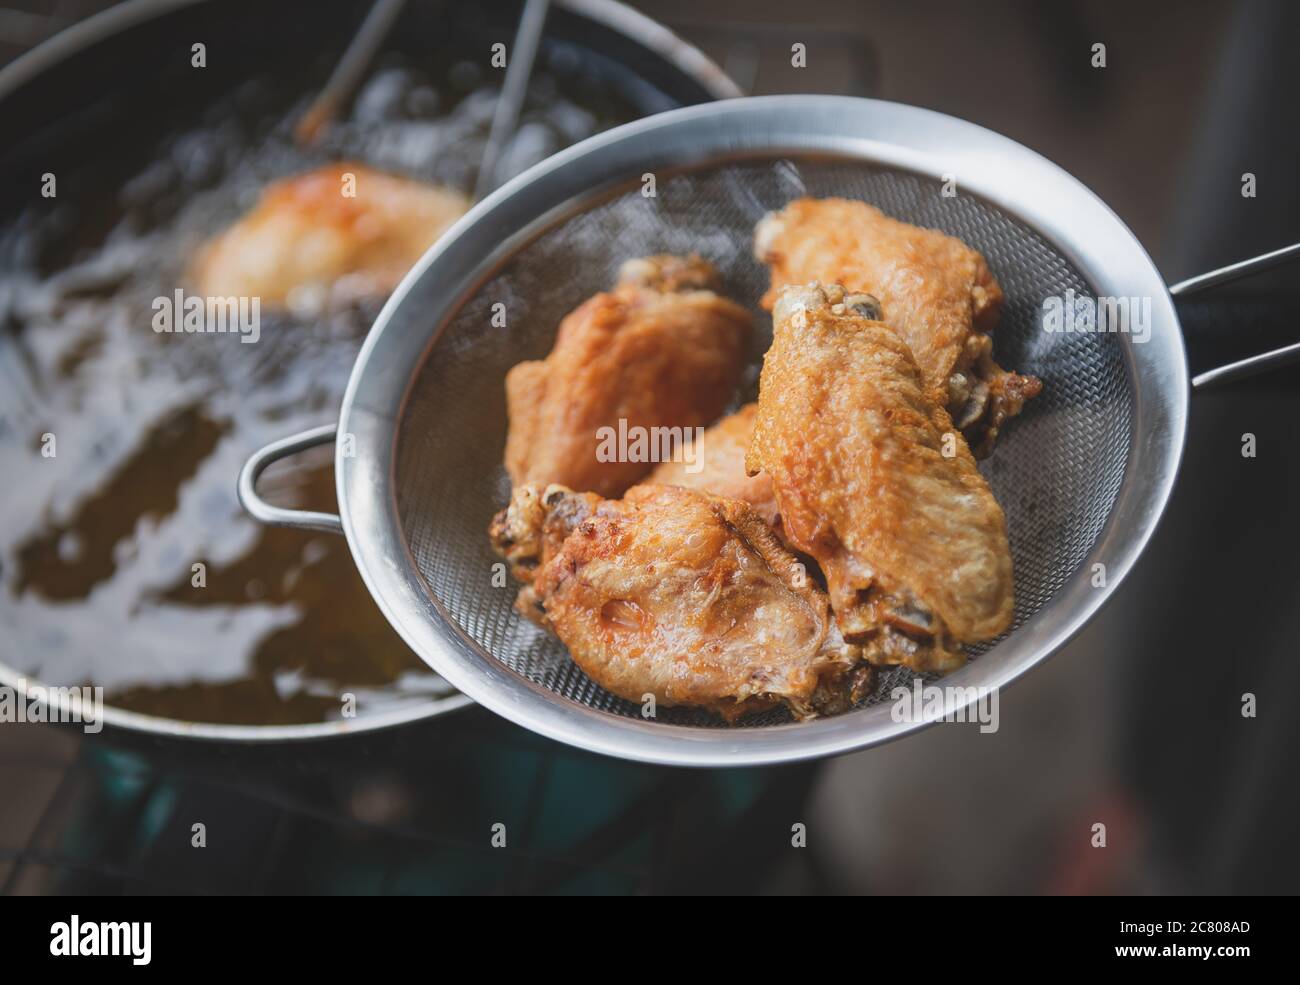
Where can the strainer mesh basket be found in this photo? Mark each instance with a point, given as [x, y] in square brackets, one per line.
[1056, 470]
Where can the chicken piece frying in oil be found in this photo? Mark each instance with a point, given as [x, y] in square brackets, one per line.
[873, 481]
[682, 595]
[662, 350]
[309, 240]
[939, 295]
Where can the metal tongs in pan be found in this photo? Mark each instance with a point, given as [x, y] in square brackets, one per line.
[374, 30]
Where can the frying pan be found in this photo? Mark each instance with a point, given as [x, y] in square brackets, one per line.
[93, 104]
[1084, 475]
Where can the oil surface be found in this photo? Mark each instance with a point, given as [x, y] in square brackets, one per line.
[125, 558]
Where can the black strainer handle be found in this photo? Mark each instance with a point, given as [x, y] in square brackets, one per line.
[1203, 323]
[277, 516]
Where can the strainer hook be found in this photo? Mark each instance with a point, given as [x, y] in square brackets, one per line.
[279, 516]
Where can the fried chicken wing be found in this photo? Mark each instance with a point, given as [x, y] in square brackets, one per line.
[534, 526]
[941, 298]
[662, 351]
[307, 239]
[874, 483]
[682, 595]
[718, 466]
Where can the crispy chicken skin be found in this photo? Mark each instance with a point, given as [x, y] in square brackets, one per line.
[682, 595]
[533, 527]
[305, 238]
[874, 483]
[939, 294]
[722, 471]
[661, 350]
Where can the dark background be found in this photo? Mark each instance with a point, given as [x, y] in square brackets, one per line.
[1136, 725]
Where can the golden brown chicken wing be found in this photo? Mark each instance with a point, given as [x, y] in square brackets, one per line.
[718, 466]
[682, 595]
[939, 293]
[632, 371]
[875, 484]
[533, 527]
[320, 235]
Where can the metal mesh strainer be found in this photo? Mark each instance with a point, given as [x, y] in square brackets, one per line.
[1056, 471]
[1083, 475]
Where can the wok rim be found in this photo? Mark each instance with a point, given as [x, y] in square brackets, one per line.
[614, 14]
[49, 56]
[1014, 178]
